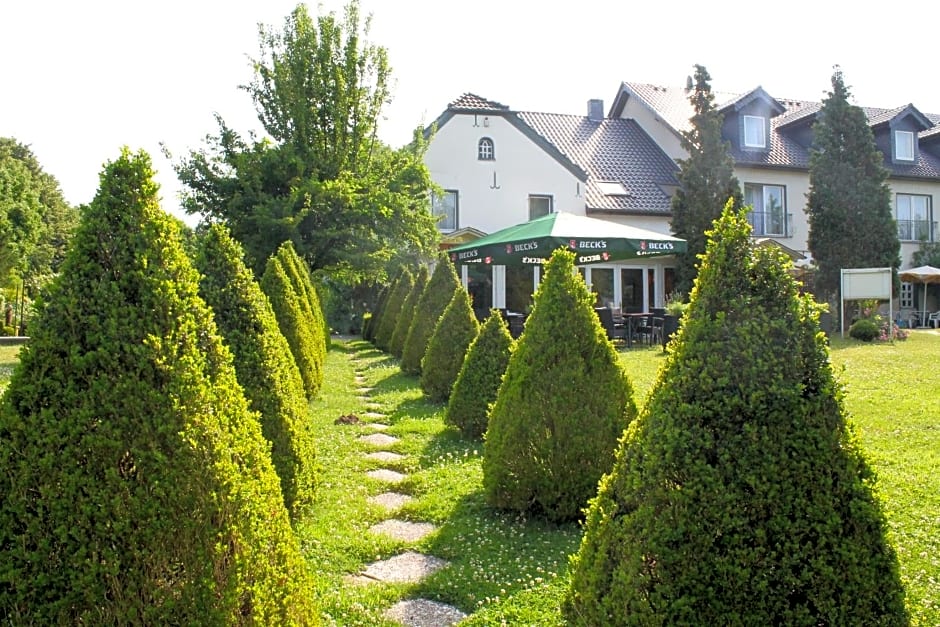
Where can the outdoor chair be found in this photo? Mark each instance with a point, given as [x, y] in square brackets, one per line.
[614, 330]
[933, 319]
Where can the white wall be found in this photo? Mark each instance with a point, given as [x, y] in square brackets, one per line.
[661, 132]
[797, 186]
[521, 167]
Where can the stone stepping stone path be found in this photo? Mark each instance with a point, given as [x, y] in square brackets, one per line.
[391, 501]
[403, 530]
[407, 567]
[385, 456]
[386, 475]
[410, 566]
[378, 439]
[424, 613]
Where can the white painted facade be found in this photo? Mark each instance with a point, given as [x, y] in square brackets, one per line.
[494, 194]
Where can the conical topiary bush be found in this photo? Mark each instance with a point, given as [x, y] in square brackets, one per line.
[384, 294]
[301, 337]
[433, 301]
[407, 314]
[309, 303]
[392, 312]
[263, 362]
[739, 496]
[563, 403]
[299, 273]
[479, 377]
[448, 346]
[137, 486]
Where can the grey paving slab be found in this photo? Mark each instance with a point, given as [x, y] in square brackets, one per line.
[408, 567]
[378, 439]
[391, 500]
[403, 530]
[385, 456]
[424, 613]
[386, 475]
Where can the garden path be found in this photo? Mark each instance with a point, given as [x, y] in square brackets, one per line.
[409, 566]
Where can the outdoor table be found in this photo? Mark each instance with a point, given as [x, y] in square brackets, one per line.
[631, 324]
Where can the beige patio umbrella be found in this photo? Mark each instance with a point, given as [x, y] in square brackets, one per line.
[921, 274]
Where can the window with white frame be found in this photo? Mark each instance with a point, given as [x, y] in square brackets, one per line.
[444, 208]
[906, 300]
[486, 151]
[904, 145]
[539, 206]
[768, 215]
[913, 217]
[755, 132]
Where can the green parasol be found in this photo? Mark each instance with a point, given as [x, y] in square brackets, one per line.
[592, 240]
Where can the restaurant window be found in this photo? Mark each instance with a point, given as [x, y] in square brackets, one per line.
[520, 285]
[480, 288]
[539, 206]
[631, 286]
[444, 208]
[602, 284]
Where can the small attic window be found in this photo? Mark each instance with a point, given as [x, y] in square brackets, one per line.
[754, 131]
[486, 150]
[612, 188]
[904, 145]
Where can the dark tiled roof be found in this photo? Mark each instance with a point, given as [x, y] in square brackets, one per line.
[672, 105]
[472, 102]
[611, 150]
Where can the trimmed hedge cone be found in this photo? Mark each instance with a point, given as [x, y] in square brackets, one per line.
[448, 346]
[479, 378]
[263, 362]
[563, 404]
[431, 305]
[137, 486]
[392, 311]
[740, 495]
[407, 314]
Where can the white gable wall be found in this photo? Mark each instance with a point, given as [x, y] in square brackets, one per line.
[655, 127]
[522, 167]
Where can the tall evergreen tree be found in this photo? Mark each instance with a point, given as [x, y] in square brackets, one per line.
[563, 403]
[392, 312]
[851, 223]
[137, 486]
[263, 362]
[706, 179]
[740, 495]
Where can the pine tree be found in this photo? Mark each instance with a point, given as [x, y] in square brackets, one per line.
[289, 312]
[740, 494]
[137, 486]
[397, 345]
[706, 180]
[447, 347]
[263, 362]
[851, 224]
[563, 403]
[479, 378]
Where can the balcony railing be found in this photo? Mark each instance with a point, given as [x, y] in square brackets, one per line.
[770, 223]
[917, 231]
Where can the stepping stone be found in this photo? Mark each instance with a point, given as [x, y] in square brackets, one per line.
[373, 414]
[386, 475]
[385, 456]
[424, 613]
[390, 500]
[378, 426]
[409, 567]
[403, 530]
[364, 389]
[378, 439]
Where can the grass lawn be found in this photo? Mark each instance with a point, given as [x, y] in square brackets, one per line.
[509, 569]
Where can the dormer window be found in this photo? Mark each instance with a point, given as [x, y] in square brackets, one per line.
[485, 150]
[755, 135]
[904, 145]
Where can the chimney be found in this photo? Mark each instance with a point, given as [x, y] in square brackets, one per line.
[595, 110]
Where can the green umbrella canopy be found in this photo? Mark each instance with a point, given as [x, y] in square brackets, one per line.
[592, 240]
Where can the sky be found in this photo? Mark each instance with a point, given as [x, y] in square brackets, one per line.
[80, 80]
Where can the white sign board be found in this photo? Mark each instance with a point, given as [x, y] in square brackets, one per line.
[867, 284]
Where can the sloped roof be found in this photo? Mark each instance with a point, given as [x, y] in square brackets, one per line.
[611, 150]
[472, 102]
[672, 105]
